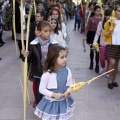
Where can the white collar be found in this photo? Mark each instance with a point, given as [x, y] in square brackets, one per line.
[35, 41]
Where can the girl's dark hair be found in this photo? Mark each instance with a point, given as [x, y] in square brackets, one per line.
[57, 27]
[116, 7]
[53, 54]
[59, 18]
[90, 4]
[95, 8]
[107, 12]
[40, 2]
[42, 24]
[56, 5]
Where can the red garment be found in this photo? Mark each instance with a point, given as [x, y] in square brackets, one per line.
[82, 12]
[34, 92]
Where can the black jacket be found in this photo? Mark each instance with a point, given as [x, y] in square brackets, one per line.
[34, 60]
[18, 17]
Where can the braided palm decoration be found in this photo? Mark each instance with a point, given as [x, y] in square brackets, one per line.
[95, 47]
[78, 86]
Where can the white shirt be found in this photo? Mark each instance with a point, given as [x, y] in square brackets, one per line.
[24, 24]
[116, 34]
[59, 39]
[64, 31]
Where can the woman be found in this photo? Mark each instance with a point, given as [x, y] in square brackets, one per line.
[112, 38]
[18, 23]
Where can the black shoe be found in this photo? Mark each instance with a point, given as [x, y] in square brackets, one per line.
[97, 69]
[91, 66]
[1, 45]
[3, 42]
[115, 84]
[110, 86]
[0, 58]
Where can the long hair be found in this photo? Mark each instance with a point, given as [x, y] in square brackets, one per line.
[53, 54]
[107, 12]
[59, 18]
[93, 12]
[57, 27]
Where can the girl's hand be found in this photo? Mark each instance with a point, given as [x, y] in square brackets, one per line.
[66, 95]
[26, 16]
[13, 12]
[57, 96]
[110, 32]
[24, 53]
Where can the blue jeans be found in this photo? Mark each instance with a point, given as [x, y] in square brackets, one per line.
[38, 94]
[77, 21]
[82, 24]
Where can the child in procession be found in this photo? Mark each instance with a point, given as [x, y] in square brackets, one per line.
[55, 82]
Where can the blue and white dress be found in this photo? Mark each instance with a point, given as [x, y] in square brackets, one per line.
[60, 109]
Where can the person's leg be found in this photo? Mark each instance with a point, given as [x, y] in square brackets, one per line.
[112, 65]
[108, 62]
[39, 95]
[34, 93]
[75, 24]
[1, 41]
[115, 71]
[78, 24]
[97, 62]
[91, 57]
[20, 47]
[102, 58]
[81, 25]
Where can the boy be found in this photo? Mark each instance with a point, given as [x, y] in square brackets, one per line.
[77, 17]
[40, 8]
[39, 17]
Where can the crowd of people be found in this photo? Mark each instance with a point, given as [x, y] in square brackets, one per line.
[47, 49]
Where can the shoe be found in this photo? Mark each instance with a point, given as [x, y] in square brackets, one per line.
[101, 70]
[3, 42]
[0, 58]
[91, 66]
[97, 69]
[34, 105]
[110, 85]
[74, 29]
[115, 84]
[1, 45]
[107, 76]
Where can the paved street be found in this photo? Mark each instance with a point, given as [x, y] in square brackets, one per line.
[94, 102]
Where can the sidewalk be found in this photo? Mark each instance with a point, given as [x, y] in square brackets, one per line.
[94, 102]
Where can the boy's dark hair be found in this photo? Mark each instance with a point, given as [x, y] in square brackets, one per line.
[41, 13]
[53, 54]
[42, 24]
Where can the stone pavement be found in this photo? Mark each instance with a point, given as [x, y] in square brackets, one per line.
[94, 102]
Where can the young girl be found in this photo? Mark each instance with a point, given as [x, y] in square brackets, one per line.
[99, 32]
[57, 79]
[56, 13]
[38, 49]
[56, 35]
[90, 34]
[112, 38]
